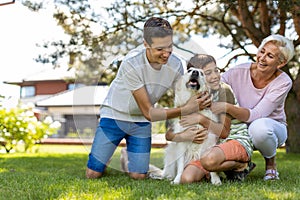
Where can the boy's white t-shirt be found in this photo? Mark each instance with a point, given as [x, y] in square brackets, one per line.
[134, 73]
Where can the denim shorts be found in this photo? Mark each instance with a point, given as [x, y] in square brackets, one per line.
[108, 136]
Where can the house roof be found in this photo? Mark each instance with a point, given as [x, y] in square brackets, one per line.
[82, 96]
[34, 99]
[45, 75]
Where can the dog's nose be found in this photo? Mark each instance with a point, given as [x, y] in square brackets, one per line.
[195, 73]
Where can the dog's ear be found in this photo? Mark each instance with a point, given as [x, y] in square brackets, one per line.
[203, 83]
[178, 84]
[181, 83]
[178, 89]
[182, 93]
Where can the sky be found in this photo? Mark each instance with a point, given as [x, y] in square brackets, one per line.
[21, 29]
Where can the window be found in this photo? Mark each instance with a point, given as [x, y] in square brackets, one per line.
[72, 86]
[27, 91]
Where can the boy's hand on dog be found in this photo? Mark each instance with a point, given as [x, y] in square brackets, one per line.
[192, 134]
[201, 135]
[196, 103]
[189, 120]
[195, 134]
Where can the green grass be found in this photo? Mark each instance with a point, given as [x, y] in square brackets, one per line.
[58, 172]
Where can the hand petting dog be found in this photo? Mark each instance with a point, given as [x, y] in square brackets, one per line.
[192, 134]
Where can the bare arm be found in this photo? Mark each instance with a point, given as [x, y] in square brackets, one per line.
[158, 114]
[235, 111]
[221, 129]
[192, 134]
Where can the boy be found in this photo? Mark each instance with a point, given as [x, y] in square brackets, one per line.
[233, 154]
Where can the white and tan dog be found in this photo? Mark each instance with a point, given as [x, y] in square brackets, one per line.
[179, 154]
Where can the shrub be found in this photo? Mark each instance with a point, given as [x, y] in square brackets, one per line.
[21, 125]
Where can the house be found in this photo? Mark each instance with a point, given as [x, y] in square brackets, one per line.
[43, 84]
[55, 92]
[77, 109]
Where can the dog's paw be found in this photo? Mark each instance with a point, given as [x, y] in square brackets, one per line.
[216, 181]
[176, 180]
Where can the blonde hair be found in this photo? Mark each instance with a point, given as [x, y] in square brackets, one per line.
[286, 46]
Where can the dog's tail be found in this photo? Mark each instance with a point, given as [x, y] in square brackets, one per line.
[124, 160]
[155, 172]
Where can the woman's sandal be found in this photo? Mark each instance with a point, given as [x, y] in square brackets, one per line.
[271, 174]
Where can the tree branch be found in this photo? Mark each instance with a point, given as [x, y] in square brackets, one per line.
[238, 55]
[296, 18]
[255, 34]
[265, 18]
[232, 35]
[282, 18]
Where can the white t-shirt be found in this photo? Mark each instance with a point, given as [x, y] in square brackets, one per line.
[134, 73]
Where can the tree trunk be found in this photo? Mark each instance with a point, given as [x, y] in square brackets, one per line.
[292, 108]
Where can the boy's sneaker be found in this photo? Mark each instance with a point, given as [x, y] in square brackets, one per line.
[240, 175]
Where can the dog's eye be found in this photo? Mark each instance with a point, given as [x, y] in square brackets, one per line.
[189, 70]
[201, 73]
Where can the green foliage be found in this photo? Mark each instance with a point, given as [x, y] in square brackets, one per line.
[21, 125]
[100, 33]
[159, 127]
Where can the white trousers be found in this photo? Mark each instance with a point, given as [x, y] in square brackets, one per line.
[267, 135]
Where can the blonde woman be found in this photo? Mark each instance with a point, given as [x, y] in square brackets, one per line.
[261, 89]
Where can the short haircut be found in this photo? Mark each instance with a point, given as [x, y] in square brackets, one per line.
[286, 46]
[156, 27]
[200, 61]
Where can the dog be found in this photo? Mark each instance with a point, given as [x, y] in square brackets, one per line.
[179, 154]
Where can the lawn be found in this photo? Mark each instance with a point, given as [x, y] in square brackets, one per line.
[58, 172]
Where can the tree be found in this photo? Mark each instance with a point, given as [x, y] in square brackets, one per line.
[242, 23]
